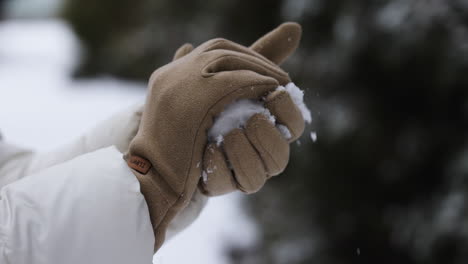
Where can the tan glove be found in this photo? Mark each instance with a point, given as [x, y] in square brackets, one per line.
[184, 98]
[252, 155]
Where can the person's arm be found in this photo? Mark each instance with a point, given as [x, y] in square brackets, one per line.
[118, 130]
[86, 210]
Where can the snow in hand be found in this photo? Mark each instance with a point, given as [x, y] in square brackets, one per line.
[236, 114]
[297, 96]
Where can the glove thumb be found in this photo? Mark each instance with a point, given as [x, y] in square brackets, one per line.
[280, 43]
[182, 51]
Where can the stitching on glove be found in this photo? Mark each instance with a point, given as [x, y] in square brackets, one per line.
[271, 69]
[221, 41]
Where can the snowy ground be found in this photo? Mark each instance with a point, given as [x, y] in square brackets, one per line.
[42, 108]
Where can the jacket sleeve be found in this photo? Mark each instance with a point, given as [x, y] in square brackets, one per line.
[118, 131]
[86, 210]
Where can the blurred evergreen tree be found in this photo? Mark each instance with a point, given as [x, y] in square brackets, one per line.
[2, 9]
[130, 39]
[106, 29]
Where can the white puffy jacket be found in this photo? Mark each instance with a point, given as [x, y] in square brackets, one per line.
[79, 204]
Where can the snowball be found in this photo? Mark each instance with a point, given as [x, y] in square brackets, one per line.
[297, 96]
[284, 131]
[236, 114]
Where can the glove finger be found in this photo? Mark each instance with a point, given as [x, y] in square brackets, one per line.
[281, 105]
[217, 178]
[224, 44]
[244, 84]
[182, 51]
[269, 143]
[249, 171]
[233, 61]
[230, 86]
[280, 43]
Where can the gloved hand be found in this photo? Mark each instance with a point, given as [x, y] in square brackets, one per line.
[184, 98]
[252, 155]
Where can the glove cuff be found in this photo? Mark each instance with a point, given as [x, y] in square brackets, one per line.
[163, 202]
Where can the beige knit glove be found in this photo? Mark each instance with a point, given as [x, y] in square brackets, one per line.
[184, 98]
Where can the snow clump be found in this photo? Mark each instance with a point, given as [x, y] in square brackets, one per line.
[236, 114]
